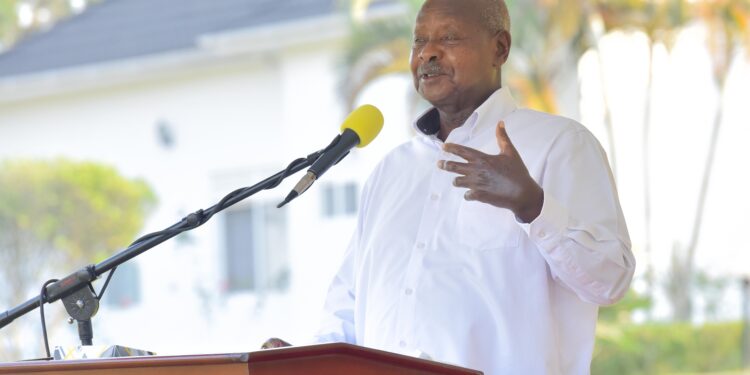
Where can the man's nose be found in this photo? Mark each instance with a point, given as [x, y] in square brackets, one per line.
[430, 52]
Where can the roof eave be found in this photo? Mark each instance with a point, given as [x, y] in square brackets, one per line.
[210, 50]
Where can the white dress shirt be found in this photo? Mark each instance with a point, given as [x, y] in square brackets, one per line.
[465, 283]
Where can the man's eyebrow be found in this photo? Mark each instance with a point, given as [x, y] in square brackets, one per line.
[442, 27]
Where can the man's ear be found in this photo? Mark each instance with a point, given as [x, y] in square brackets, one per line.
[502, 42]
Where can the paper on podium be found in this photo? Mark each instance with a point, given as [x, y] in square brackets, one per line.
[97, 351]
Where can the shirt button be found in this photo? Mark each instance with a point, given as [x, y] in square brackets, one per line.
[402, 343]
[420, 245]
[434, 196]
[542, 234]
[408, 291]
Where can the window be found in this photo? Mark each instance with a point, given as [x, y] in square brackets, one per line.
[124, 289]
[340, 199]
[256, 248]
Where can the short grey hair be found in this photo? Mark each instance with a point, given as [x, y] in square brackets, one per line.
[495, 15]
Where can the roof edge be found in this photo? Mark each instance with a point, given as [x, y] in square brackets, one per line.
[211, 50]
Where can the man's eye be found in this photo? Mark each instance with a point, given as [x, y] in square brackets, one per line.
[419, 41]
[450, 38]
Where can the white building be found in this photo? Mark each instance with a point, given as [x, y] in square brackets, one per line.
[199, 98]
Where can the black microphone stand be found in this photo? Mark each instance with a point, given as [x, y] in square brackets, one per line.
[76, 290]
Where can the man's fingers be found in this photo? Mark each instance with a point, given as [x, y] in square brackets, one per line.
[274, 343]
[474, 195]
[454, 166]
[477, 195]
[469, 195]
[466, 153]
[506, 146]
[462, 181]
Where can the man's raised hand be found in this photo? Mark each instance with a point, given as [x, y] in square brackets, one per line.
[500, 180]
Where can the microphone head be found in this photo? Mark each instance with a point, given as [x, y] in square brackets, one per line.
[366, 121]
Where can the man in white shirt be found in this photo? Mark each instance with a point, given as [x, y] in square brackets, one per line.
[491, 238]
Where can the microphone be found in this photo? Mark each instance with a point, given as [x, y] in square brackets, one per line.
[358, 129]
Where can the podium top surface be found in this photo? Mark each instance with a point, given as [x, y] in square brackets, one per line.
[329, 358]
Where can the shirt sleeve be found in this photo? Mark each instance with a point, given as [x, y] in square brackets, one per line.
[337, 323]
[338, 320]
[581, 230]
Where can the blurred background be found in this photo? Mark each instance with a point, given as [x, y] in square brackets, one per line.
[120, 117]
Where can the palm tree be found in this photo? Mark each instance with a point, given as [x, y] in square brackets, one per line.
[545, 35]
[660, 21]
[549, 39]
[727, 23]
[376, 47]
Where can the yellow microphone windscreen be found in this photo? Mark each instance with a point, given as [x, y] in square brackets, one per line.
[366, 121]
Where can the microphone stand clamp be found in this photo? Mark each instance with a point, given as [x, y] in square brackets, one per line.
[82, 305]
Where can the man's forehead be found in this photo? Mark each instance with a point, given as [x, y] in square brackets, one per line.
[449, 12]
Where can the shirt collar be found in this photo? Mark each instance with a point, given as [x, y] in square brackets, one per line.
[496, 107]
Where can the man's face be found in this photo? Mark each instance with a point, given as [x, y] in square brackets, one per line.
[455, 60]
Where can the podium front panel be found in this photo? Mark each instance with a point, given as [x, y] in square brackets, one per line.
[329, 359]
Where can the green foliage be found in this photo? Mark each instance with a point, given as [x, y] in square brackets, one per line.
[11, 31]
[657, 19]
[55, 215]
[548, 39]
[667, 348]
[622, 311]
[662, 348]
[375, 47]
[8, 23]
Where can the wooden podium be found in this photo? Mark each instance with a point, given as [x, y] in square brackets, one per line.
[330, 359]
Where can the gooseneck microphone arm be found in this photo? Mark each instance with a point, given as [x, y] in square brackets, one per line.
[83, 278]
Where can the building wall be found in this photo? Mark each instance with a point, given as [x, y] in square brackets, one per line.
[233, 122]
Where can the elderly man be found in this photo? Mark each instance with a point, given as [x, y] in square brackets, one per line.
[491, 238]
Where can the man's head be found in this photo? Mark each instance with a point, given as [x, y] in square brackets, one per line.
[458, 49]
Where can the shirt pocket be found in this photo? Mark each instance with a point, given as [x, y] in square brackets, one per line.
[484, 227]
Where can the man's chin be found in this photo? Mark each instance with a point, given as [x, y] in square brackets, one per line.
[435, 98]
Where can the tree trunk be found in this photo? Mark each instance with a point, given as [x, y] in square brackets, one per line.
[649, 274]
[681, 302]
